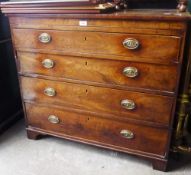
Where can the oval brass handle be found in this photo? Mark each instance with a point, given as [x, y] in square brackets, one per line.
[44, 38]
[127, 134]
[131, 43]
[53, 119]
[128, 104]
[50, 92]
[130, 72]
[48, 63]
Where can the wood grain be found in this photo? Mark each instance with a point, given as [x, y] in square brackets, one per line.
[169, 28]
[98, 43]
[101, 100]
[150, 76]
[103, 131]
[111, 25]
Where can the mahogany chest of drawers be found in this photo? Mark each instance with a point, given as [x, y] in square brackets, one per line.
[109, 80]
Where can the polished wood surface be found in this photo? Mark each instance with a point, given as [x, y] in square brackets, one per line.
[99, 43]
[100, 100]
[150, 76]
[104, 25]
[102, 131]
[86, 82]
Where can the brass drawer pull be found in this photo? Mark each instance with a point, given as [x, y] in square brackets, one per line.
[50, 92]
[131, 43]
[127, 134]
[53, 119]
[130, 72]
[128, 104]
[48, 63]
[44, 38]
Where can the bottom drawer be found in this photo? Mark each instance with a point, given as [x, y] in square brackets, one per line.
[106, 132]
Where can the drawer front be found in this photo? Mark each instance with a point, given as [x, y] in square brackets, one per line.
[131, 74]
[122, 136]
[115, 102]
[153, 48]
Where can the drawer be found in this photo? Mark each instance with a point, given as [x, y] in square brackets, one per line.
[149, 48]
[126, 74]
[109, 133]
[112, 102]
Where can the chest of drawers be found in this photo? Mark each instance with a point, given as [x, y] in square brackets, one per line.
[112, 83]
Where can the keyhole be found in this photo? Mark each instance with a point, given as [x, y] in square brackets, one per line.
[86, 63]
[85, 39]
[86, 91]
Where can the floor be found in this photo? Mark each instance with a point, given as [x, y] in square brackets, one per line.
[54, 156]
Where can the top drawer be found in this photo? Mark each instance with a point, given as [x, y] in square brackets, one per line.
[135, 47]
